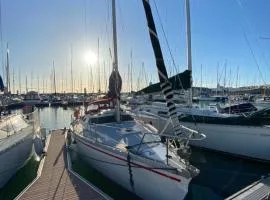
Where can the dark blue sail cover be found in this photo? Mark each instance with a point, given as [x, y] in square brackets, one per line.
[115, 85]
[165, 84]
[1, 84]
[178, 82]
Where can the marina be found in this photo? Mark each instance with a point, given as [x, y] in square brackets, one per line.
[221, 175]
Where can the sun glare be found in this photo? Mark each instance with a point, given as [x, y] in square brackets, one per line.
[90, 57]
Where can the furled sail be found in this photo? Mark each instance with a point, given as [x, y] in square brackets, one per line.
[115, 85]
[178, 82]
[1, 84]
[165, 84]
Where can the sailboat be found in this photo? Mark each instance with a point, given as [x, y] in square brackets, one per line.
[241, 134]
[17, 137]
[128, 151]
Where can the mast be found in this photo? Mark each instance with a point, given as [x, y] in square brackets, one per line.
[13, 81]
[38, 83]
[7, 71]
[131, 66]
[115, 58]
[81, 83]
[225, 78]
[54, 83]
[201, 81]
[217, 80]
[237, 76]
[189, 59]
[46, 90]
[128, 79]
[162, 72]
[104, 78]
[20, 88]
[31, 85]
[26, 88]
[98, 68]
[43, 85]
[62, 82]
[71, 71]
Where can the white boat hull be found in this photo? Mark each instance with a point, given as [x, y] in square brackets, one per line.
[147, 183]
[245, 141]
[16, 155]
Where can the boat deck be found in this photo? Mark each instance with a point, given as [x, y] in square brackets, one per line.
[56, 179]
[260, 190]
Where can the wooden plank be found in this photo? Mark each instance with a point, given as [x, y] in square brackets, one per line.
[259, 190]
[56, 181]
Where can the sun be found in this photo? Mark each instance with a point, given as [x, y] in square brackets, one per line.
[90, 57]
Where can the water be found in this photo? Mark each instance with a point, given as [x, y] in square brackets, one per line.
[220, 175]
[20, 180]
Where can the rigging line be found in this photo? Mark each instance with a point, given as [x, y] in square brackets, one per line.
[167, 43]
[254, 57]
[239, 3]
[120, 16]
[250, 25]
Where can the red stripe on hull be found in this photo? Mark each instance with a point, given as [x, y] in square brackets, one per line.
[138, 165]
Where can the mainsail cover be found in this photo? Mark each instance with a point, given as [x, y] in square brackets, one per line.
[1, 84]
[178, 82]
[162, 72]
[115, 85]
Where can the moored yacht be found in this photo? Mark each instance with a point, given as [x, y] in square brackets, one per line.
[241, 134]
[33, 98]
[17, 134]
[128, 151]
[132, 154]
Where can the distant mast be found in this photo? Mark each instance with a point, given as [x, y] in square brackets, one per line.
[20, 88]
[131, 72]
[7, 71]
[38, 83]
[98, 66]
[13, 81]
[71, 70]
[54, 83]
[26, 88]
[189, 59]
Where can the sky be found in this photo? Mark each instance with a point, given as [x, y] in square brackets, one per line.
[231, 34]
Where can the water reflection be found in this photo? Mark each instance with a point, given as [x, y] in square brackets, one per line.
[55, 118]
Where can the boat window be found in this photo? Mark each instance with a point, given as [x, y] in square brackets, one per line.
[109, 119]
[162, 113]
[14, 124]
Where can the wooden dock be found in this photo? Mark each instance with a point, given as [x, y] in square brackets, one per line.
[55, 179]
[260, 190]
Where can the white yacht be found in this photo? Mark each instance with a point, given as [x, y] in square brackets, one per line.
[128, 151]
[132, 154]
[33, 98]
[242, 134]
[17, 133]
